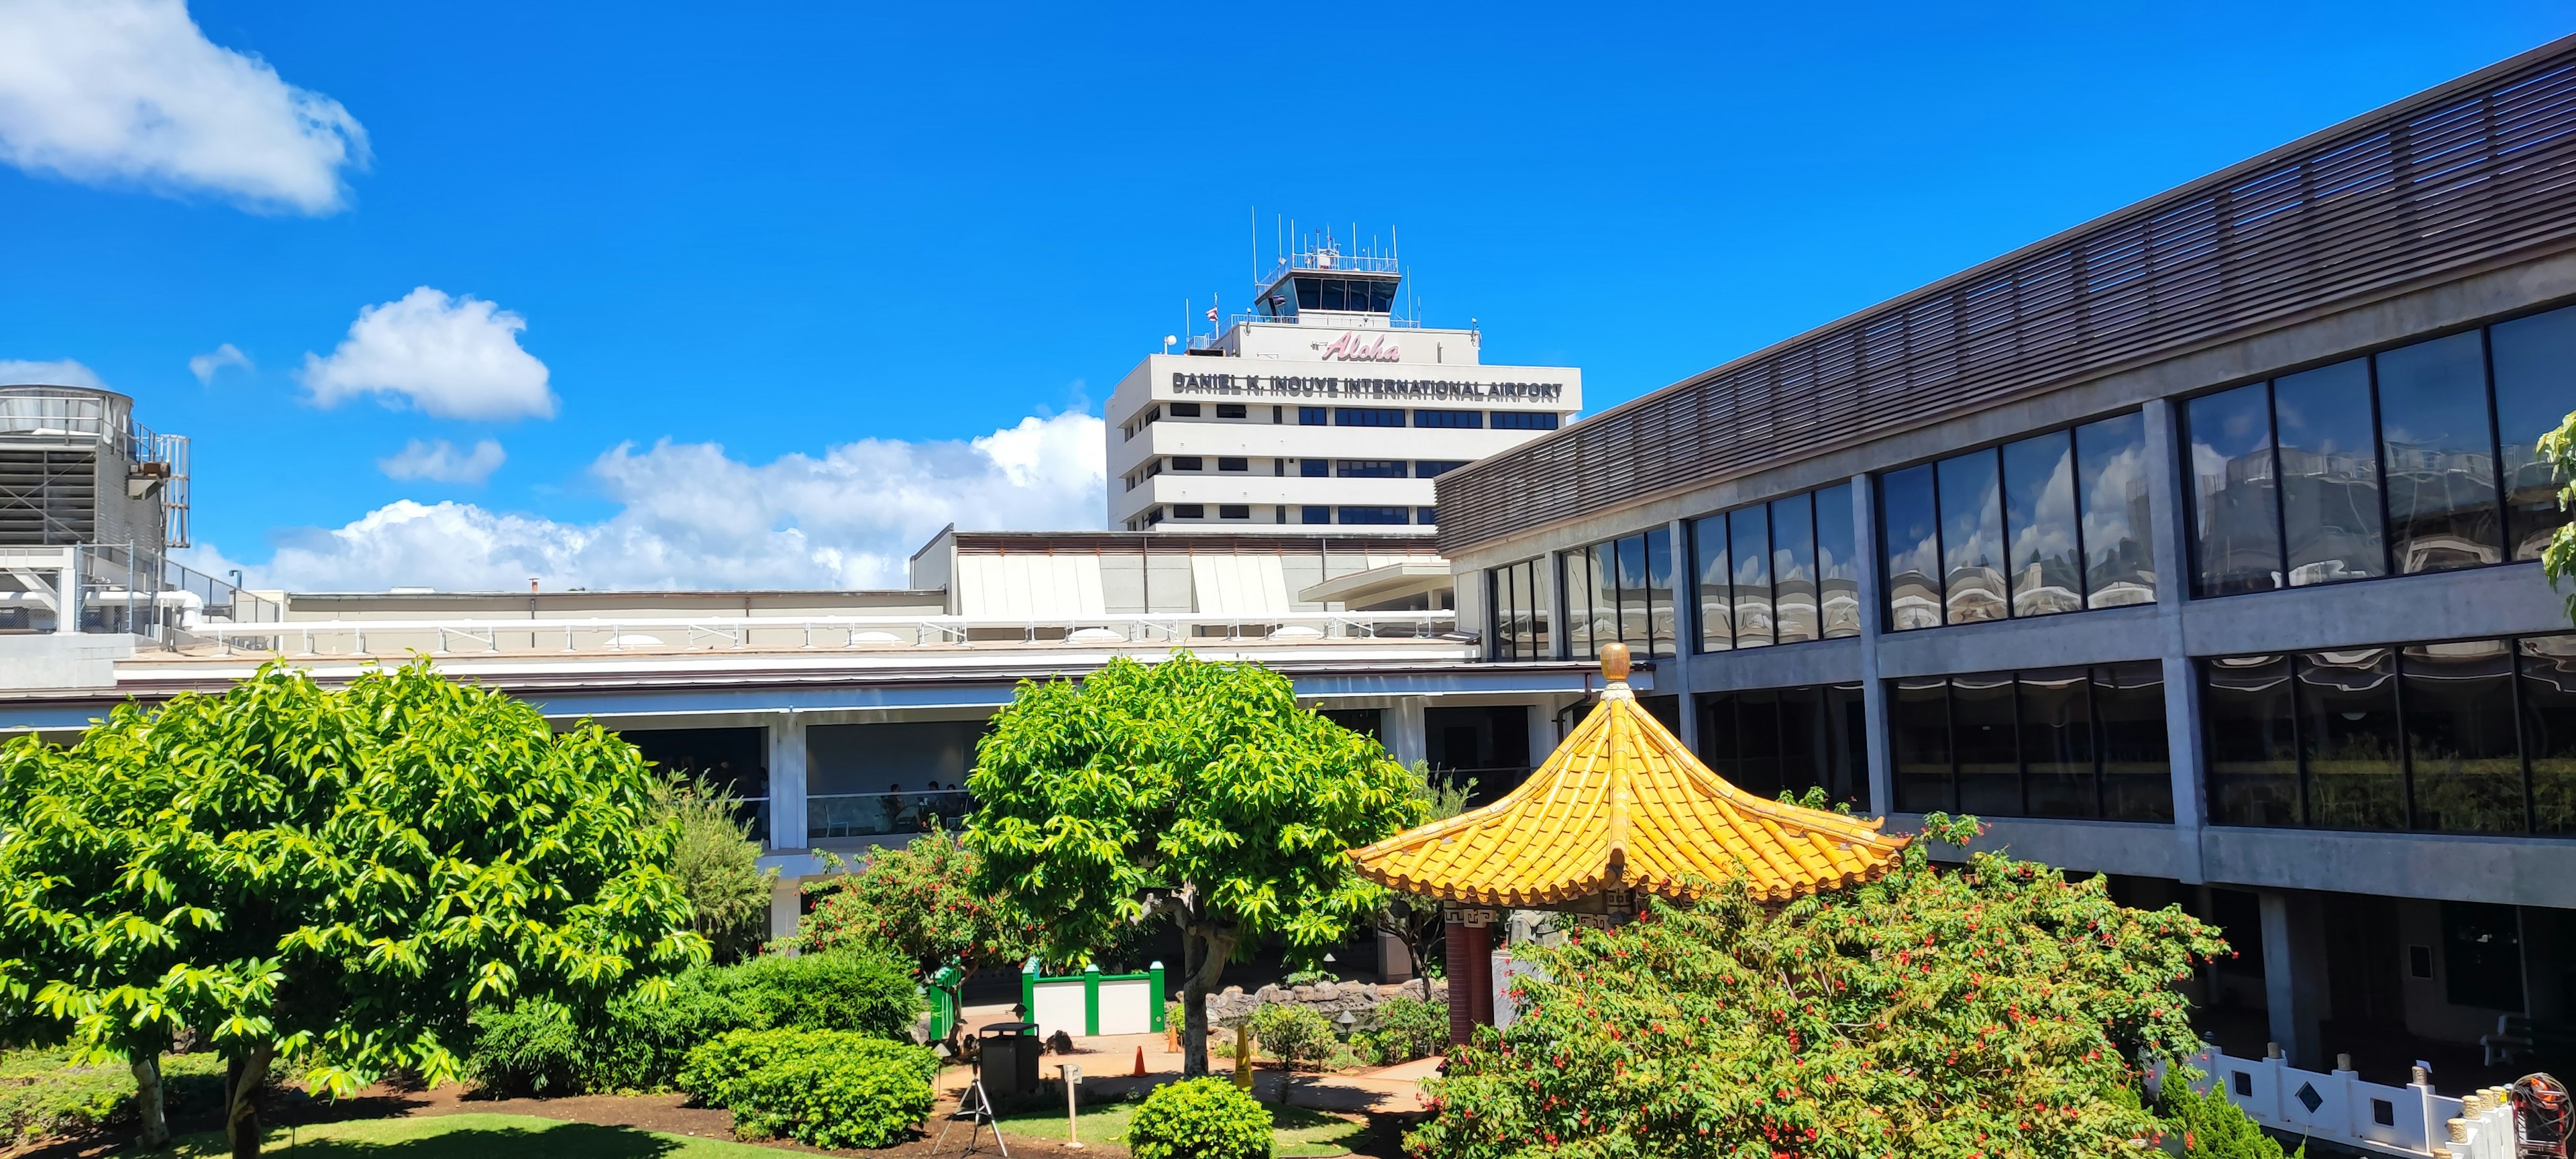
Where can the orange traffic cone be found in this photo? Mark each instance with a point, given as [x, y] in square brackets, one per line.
[1140, 1060]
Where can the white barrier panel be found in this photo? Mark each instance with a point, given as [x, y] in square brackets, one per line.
[2337, 1107]
[1126, 1006]
[1059, 1006]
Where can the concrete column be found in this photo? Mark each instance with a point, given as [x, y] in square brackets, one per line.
[1405, 739]
[67, 613]
[786, 904]
[1673, 677]
[1873, 615]
[2182, 680]
[1542, 731]
[787, 782]
[2294, 974]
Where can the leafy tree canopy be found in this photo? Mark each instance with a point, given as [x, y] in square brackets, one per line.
[718, 867]
[1994, 1011]
[2558, 449]
[1190, 789]
[919, 900]
[334, 877]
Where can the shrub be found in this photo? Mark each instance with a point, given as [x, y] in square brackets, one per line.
[1199, 1119]
[718, 867]
[861, 989]
[1298, 978]
[528, 1050]
[819, 1087]
[42, 1095]
[2209, 1126]
[919, 901]
[1410, 1028]
[1296, 1035]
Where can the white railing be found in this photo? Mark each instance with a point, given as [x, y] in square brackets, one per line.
[2337, 1107]
[770, 633]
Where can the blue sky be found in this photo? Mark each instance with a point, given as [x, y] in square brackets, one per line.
[742, 296]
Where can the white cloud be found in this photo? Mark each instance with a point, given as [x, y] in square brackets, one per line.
[205, 365]
[441, 462]
[131, 91]
[452, 357]
[695, 517]
[64, 372]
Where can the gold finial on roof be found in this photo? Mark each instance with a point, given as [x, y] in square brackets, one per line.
[1614, 661]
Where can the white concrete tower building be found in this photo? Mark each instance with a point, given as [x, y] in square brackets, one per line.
[1322, 406]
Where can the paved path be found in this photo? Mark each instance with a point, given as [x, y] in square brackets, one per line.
[1109, 1062]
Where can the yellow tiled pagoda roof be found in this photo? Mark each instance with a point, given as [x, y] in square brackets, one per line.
[1622, 804]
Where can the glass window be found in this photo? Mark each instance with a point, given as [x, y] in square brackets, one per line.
[1837, 571]
[1373, 514]
[1189, 511]
[1505, 420]
[2535, 387]
[1717, 733]
[1426, 516]
[2057, 740]
[2329, 474]
[1229, 410]
[1749, 545]
[1369, 468]
[1450, 419]
[1503, 620]
[1972, 538]
[1185, 410]
[1847, 774]
[2236, 542]
[2111, 483]
[2461, 752]
[1757, 742]
[1310, 293]
[2438, 441]
[1574, 576]
[2245, 706]
[1982, 738]
[1538, 642]
[1230, 463]
[1918, 733]
[1659, 592]
[1913, 543]
[1234, 511]
[1520, 612]
[1805, 741]
[1314, 468]
[1313, 512]
[1716, 597]
[2039, 515]
[1793, 568]
[2481, 955]
[2129, 724]
[2348, 739]
[2549, 731]
[1188, 463]
[1312, 416]
[1368, 416]
[1605, 593]
[1633, 620]
[1435, 468]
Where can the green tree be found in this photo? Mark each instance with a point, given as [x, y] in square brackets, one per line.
[1995, 1011]
[2558, 449]
[335, 878]
[1408, 918]
[718, 867]
[919, 900]
[1193, 790]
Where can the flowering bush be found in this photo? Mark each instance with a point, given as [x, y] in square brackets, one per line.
[1990, 1012]
[1199, 1119]
[916, 900]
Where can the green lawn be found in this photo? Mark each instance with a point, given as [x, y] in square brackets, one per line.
[1295, 1132]
[478, 1137]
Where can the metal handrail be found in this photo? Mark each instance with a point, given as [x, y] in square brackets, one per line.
[733, 632]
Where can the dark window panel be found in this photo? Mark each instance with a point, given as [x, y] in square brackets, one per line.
[1982, 736]
[2535, 388]
[2439, 450]
[1749, 546]
[1918, 733]
[1369, 468]
[1838, 608]
[2039, 523]
[1523, 421]
[1972, 539]
[1757, 742]
[1504, 624]
[2481, 955]
[1314, 513]
[1659, 592]
[1375, 515]
[1633, 630]
[2057, 742]
[2460, 745]
[2246, 707]
[2330, 522]
[1716, 594]
[2111, 487]
[2348, 739]
[1368, 416]
[1793, 568]
[1911, 539]
[2129, 724]
[2236, 536]
[1574, 574]
[1717, 733]
[1461, 420]
[1847, 775]
[1313, 416]
[1805, 741]
[2549, 731]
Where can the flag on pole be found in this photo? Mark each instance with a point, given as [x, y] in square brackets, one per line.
[1211, 313]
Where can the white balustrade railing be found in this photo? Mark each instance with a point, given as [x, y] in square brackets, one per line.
[769, 633]
[2337, 1107]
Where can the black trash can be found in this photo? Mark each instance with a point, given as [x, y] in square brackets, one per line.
[1007, 1058]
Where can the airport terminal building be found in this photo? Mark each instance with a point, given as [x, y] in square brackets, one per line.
[2195, 545]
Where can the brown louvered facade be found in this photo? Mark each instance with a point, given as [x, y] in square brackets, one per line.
[2472, 174]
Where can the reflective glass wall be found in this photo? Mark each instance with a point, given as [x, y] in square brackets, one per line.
[1517, 626]
[2069, 742]
[2465, 736]
[1619, 589]
[2051, 524]
[1773, 740]
[1781, 572]
[2416, 459]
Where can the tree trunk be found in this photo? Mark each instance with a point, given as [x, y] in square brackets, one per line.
[244, 1078]
[1204, 951]
[147, 1102]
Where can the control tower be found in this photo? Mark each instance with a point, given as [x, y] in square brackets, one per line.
[1327, 403]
